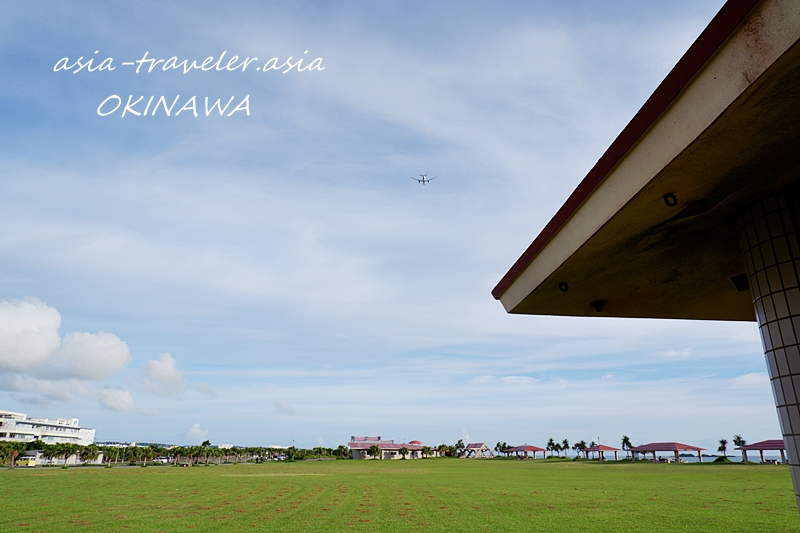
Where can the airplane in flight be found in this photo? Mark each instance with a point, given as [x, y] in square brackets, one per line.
[424, 179]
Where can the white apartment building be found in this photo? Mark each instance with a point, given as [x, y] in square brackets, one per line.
[17, 427]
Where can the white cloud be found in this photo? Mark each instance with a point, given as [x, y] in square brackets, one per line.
[283, 407]
[204, 388]
[754, 381]
[116, 400]
[196, 433]
[30, 345]
[162, 376]
[38, 366]
[28, 334]
[28, 389]
[93, 356]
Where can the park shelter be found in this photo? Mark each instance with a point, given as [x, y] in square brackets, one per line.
[389, 449]
[761, 447]
[692, 212]
[601, 449]
[475, 450]
[675, 447]
[525, 449]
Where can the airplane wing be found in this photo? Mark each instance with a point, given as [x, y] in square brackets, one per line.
[415, 179]
[433, 178]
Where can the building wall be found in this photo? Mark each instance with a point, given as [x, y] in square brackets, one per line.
[17, 427]
[390, 454]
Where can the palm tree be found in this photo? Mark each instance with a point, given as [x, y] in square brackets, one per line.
[133, 454]
[404, 451]
[342, 451]
[565, 446]
[67, 450]
[577, 449]
[147, 453]
[723, 447]
[89, 453]
[739, 441]
[426, 451]
[5, 452]
[626, 444]
[375, 451]
[551, 446]
[176, 453]
[49, 452]
[582, 448]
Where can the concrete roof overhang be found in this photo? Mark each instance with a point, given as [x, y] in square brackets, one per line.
[722, 130]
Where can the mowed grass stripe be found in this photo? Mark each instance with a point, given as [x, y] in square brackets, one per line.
[447, 495]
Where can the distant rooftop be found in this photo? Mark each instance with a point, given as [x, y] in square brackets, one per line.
[365, 439]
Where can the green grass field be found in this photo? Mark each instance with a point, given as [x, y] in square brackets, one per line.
[447, 495]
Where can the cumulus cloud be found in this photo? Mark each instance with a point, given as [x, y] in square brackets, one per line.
[30, 344]
[196, 433]
[204, 388]
[162, 376]
[116, 400]
[93, 356]
[38, 366]
[28, 334]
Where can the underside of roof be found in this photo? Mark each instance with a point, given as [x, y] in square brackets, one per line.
[654, 236]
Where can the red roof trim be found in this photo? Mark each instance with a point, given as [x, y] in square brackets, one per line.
[602, 448]
[383, 446]
[666, 447]
[766, 445]
[716, 33]
[524, 448]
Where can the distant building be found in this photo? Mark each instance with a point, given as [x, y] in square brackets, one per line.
[17, 427]
[359, 446]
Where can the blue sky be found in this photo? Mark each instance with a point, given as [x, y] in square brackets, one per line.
[278, 278]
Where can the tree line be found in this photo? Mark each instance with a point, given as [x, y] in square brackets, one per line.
[204, 453]
[207, 454]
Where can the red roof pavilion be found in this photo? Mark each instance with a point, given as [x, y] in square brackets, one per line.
[674, 447]
[525, 448]
[761, 447]
[600, 449]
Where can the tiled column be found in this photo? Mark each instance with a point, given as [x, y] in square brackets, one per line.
[768, 237]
